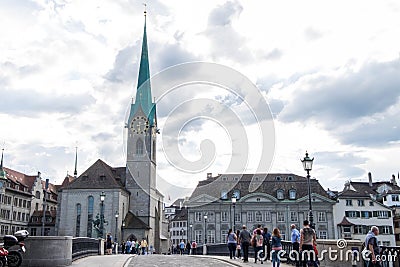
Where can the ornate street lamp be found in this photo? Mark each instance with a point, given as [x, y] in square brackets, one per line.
[307, 165]
[233, 205]
[102, 198]
[191, 235]
[116, 226]
[182, 231]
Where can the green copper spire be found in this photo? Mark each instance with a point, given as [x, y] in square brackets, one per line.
[2, 171]
[143, 93]
[143, 99]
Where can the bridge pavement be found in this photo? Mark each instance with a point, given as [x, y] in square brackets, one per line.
[122, 260]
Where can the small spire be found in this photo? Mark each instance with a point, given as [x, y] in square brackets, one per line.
[2, 171]
[145, 9]
[76, 162]
[2, 155]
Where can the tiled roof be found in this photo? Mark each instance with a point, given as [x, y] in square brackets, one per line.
[181, 216]
[98, 176]
[257, 183]
[352, 193]
[345, 222]
[133, 222]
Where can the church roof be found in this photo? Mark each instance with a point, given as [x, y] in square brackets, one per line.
[133, 222]
[257, 183]
[98, 176]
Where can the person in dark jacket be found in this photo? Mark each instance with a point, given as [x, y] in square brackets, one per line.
[245, 238]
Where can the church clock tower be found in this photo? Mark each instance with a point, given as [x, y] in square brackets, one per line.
[141, 154]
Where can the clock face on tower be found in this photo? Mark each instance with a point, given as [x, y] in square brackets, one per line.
[140, 125]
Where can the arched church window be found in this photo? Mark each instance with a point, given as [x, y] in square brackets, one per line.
[78, 219]
[139, 147]
[90, 216]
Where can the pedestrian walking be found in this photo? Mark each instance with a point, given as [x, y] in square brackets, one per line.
[307, 241]
[238, 247]
[143, 246]
[188, 247]
[259, 242]
[182, 247]
[276, 244]
[231, 240]
[267, 243]
[109, 244]
[371, 244]
[194, 247]
[245, 238]
[295, 239]
[128, 246]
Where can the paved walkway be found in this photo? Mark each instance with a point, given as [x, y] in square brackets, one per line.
[123, 260]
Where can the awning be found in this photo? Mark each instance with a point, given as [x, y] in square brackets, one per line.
[163, 237]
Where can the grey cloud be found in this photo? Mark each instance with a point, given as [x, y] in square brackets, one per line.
[222, 15]
[126, 65]
[30, 103]
[225, 41]
[354, 95]
[357, 107]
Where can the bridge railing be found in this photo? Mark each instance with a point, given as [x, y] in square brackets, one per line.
[84, 246]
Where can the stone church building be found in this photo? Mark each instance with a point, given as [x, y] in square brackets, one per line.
[132, 206]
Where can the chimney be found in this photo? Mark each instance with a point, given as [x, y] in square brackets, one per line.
[370, 179]
[209, 174]
[38, 175]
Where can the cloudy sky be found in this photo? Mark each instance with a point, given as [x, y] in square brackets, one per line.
[329, 70]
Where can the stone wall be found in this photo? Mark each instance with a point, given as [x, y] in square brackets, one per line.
[332, 252]
[48, 251]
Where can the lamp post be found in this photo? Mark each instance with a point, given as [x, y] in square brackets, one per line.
[191, 236]
[233, 205]
[116, 227]
[205, 235]
[102, 198]
[122, 231]
[307, 165]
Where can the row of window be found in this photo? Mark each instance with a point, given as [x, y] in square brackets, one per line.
[363, 229]
[256, 178]
[178, 233]
[381, 214]
[280, 194]
[258, 216]
[18, 202]
[17, 216]
[178, 224]
[360, 202]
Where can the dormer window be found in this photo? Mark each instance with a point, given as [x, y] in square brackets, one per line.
[278, 178]
[236, 194]
[224, 178]
[290, 178]
[280, 194]
[224, 195]
[292, 194]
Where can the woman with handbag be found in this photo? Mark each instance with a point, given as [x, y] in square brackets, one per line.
[276, 245]
[231, 243]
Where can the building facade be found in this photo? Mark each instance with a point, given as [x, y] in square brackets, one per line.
[362, 205]
[272, 200]
[22, 201]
